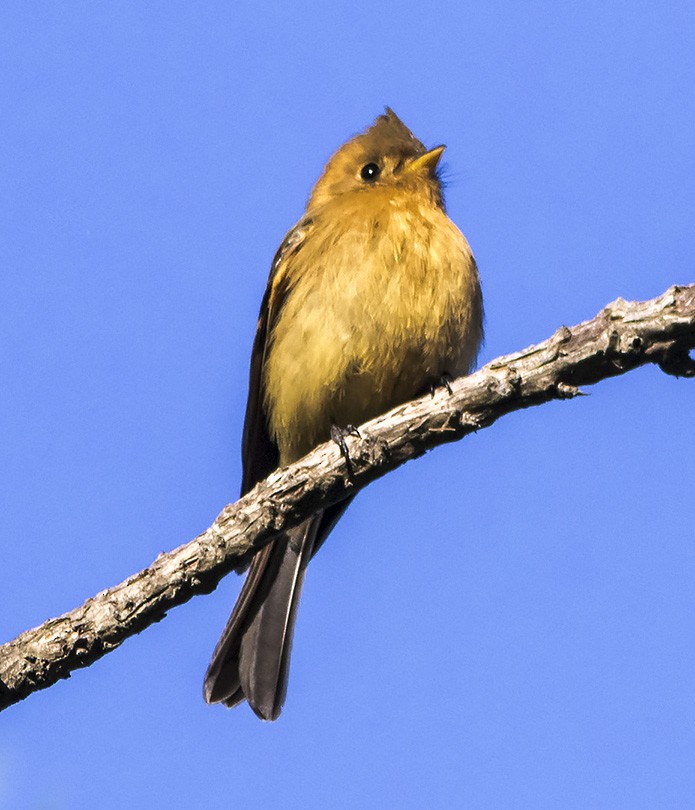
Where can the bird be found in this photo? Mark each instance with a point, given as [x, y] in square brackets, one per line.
[373, 298]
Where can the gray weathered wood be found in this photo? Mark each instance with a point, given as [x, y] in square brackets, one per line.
[621, 337]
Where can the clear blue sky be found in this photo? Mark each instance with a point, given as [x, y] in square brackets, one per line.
[508, 622]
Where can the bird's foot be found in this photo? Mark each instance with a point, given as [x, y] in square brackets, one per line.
[338, 435]
[443, 382]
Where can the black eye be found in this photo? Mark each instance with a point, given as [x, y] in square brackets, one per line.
[370, 172]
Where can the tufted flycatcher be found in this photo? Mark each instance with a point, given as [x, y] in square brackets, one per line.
[373, 297]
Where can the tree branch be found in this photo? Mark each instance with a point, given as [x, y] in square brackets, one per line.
[621, 337]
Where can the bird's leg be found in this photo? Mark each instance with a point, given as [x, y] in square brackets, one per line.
[338, 435]
[443, 382]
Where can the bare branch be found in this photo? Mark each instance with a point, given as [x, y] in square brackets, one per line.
[621, 337]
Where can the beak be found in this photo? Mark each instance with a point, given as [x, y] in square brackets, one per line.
[427, 162]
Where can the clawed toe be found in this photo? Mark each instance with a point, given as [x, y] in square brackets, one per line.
[444, 382]
[338, 435]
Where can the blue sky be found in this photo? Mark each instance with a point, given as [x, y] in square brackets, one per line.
[508, 622]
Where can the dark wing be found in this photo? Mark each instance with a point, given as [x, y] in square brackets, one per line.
[259, 453]
[242, 666]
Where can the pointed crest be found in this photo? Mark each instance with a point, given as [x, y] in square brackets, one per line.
[389, 134]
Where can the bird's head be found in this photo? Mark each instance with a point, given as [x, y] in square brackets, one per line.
[385, 155]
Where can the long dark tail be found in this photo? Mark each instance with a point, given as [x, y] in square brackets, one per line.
[251, 660]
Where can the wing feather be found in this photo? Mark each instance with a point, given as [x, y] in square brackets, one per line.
[259, 453]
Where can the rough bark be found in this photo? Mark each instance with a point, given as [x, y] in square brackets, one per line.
[621, 337]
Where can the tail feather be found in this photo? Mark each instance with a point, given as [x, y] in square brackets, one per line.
[251, 660]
